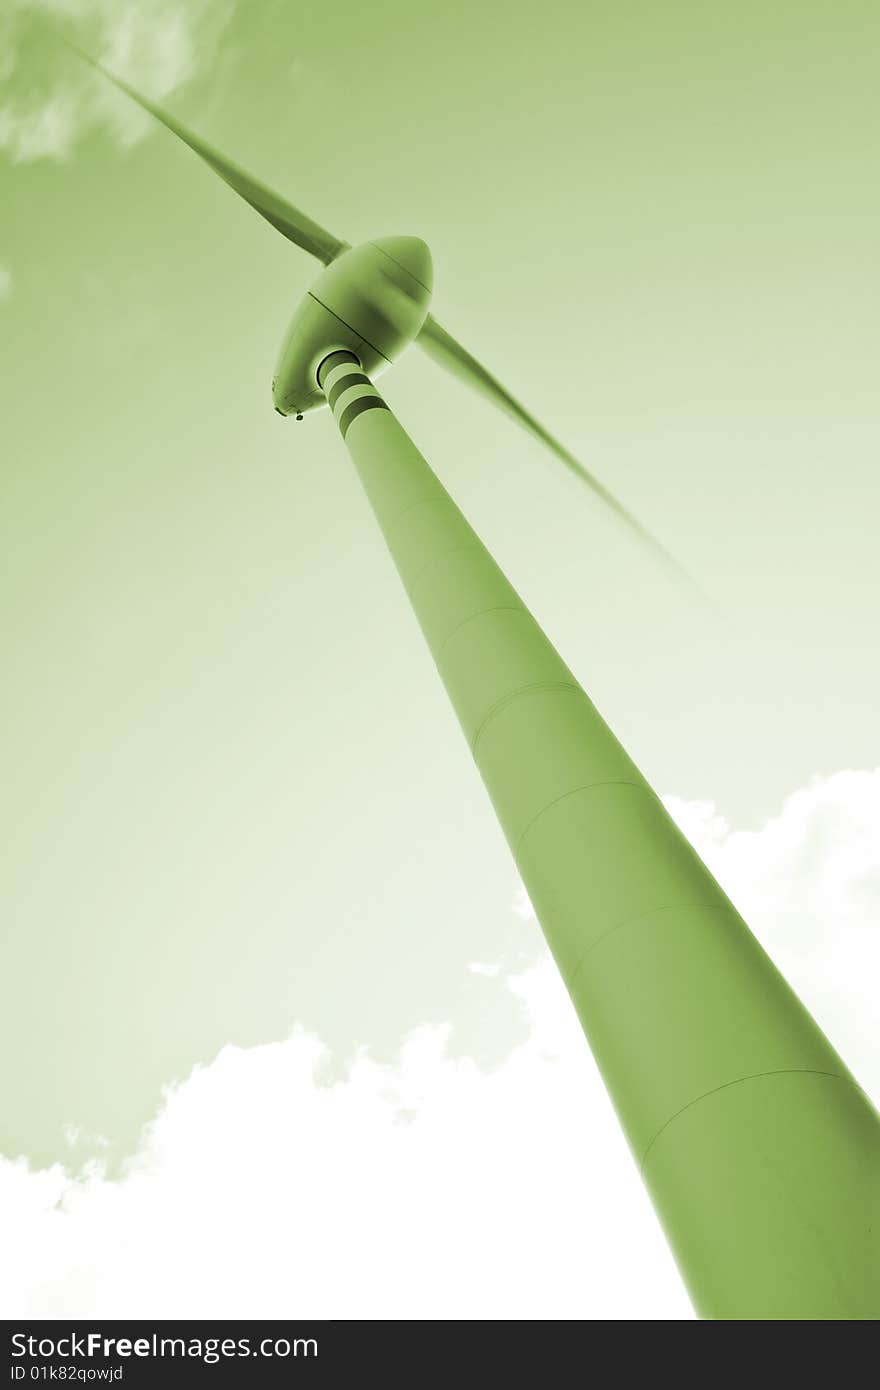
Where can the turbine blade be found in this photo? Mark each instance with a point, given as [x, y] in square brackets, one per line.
[450, 354]
[286, 218]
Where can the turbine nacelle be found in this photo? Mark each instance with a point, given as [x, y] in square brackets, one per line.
[371, 300]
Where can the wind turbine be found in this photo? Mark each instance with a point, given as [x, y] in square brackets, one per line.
[760, 1151]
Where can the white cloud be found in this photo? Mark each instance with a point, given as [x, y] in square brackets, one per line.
[7, 283]
[429, 1188]
[424, 1189]
[808, 884]
[49, 99]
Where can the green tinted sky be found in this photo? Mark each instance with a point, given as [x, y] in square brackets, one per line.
[235, 794]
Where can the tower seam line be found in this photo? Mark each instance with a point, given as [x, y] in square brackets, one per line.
[420, 502]
[641, 917]
[515, 695]
[495, 608]
[573, 791]
[738, 1081]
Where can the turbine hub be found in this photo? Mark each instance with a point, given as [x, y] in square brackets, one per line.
[371, 300]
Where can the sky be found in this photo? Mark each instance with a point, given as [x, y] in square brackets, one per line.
[248, 869]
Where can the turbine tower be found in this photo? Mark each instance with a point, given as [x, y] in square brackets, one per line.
[760, 1151]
